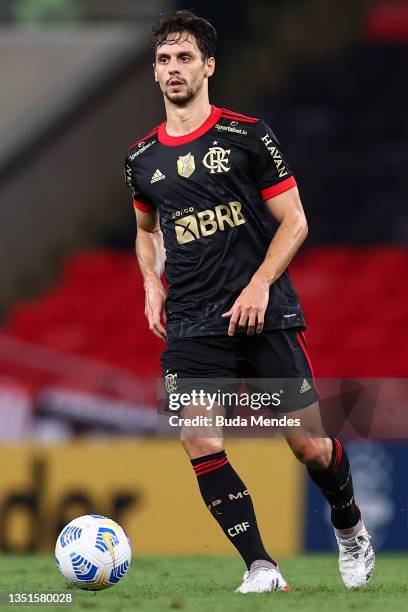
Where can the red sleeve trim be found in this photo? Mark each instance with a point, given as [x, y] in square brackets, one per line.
[142, 206]
[275, 190]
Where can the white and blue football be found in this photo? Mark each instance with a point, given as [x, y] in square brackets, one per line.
[93, 552]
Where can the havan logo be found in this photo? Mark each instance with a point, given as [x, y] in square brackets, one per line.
[276, 155]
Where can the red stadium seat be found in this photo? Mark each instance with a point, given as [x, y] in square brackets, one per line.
[355, 301]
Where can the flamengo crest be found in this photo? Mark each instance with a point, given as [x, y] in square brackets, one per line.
[216, 160]
[170, 382]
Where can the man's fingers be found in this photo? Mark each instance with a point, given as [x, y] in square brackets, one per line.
[155, 324]
[260, 324]
[157, 329]
[243, 318]
[160, 331]
[233, 322]
[251, 323]
[231, 328]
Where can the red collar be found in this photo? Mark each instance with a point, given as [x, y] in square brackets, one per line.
[173, 141]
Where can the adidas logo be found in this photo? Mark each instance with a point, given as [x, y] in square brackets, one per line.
[157, 176]
[305, 386]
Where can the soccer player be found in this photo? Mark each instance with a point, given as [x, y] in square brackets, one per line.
[207, 184]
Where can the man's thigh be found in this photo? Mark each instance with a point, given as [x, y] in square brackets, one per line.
[277, 362]
[201, 365]
[207, 357]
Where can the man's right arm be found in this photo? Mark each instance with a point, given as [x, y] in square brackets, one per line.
[151, 256]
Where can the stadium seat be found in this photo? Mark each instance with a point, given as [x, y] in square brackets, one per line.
[354, 299]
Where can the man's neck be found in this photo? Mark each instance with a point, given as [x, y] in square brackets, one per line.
[182, 121]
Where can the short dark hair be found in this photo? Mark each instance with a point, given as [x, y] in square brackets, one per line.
[185, 21]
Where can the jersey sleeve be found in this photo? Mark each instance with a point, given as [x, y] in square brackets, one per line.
[140, 201]
[271, 171]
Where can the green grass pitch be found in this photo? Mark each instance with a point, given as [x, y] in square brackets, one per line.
[206, 584]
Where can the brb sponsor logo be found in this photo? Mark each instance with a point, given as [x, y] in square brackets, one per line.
[207, 222]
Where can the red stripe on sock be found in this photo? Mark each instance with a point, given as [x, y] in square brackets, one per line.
[215, 464]
[209, 462]
[333, 468]
[339, 452]
[211, 469]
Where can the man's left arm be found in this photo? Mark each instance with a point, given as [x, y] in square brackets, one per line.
[250, 306]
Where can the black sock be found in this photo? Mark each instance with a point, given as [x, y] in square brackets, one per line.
[228, 500]
[336, 484]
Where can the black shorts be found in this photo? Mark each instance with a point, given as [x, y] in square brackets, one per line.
[277, 359]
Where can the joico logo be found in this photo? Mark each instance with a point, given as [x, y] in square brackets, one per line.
[182, 211]
[142, 147]
[207, 222]
[276, 155]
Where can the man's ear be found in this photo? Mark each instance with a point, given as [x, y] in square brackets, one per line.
[210, 66]
[155, 73]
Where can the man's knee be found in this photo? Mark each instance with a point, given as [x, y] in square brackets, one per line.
[313, 452]
[200, 447]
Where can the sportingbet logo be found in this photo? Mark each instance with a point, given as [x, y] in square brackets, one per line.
[231, 128]
[276, 156]
[142, 147]
[207, 222]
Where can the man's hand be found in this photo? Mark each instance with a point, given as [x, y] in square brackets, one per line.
[154, 305]
[249, 308]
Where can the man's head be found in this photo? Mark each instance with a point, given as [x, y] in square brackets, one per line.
[184, 50]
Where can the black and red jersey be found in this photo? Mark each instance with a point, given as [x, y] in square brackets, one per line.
[209, 188]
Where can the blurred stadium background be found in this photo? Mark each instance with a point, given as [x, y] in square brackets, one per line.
[78, 365]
